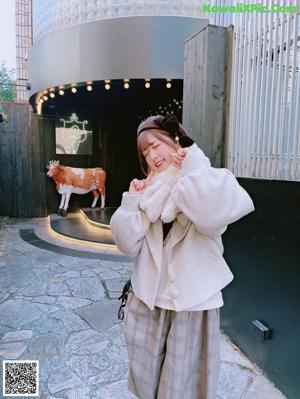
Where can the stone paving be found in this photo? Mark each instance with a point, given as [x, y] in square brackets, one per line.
[62, 311]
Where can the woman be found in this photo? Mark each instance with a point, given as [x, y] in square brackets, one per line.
[171, 225]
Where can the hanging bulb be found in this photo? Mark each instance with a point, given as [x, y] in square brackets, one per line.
[147, 83]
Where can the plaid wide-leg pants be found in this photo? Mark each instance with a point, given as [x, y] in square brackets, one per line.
[172, 355]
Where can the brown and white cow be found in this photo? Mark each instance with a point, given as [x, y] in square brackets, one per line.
[70, 180]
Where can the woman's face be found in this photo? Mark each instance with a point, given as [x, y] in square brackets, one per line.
[158, 154]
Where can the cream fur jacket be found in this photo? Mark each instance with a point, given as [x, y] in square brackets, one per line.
[202, 201]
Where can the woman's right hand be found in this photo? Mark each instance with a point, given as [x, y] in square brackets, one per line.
[139, 186]
[179, 156]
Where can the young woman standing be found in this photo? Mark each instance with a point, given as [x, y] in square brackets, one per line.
[171, 225]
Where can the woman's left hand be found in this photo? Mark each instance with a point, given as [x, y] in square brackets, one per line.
[179, 156]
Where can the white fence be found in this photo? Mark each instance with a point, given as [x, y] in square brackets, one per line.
[264, 121]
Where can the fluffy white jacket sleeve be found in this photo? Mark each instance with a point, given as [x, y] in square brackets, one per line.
[129, 225]
[210, 197]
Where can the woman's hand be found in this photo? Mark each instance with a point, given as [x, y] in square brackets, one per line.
[139, 186]
[179, 156]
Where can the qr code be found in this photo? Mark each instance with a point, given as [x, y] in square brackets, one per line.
[20, 378]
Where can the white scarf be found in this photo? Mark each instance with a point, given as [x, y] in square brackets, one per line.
[156, 200]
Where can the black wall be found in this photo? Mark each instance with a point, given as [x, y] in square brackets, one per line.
[114, 115]
[263, 252]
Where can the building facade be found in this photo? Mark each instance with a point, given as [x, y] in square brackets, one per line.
[23, 45]
[109, 34]
[50, 16]
[110, 63]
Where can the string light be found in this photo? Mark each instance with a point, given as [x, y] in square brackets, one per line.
[174, 108]
[89, 86]
[126, 83]
[168, 84]
[61, 92]
[52, 95]
[39, 108]
[45, 98]
[147, 83]
[107, 84]
[73, 88]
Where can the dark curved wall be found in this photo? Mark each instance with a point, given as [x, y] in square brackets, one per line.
[115, 115]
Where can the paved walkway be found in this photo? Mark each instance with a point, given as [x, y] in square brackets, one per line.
[62, 310]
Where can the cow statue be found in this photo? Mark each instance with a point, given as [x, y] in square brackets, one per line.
[70, 180]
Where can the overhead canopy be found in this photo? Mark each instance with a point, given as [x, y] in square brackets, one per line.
[119, 48]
